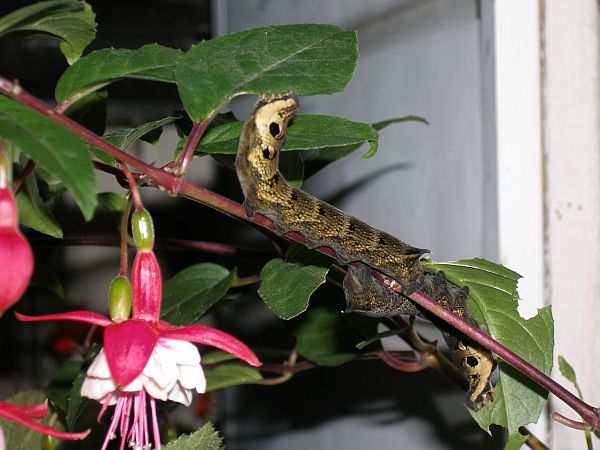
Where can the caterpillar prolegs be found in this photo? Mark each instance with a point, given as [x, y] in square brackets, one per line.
[366, 248]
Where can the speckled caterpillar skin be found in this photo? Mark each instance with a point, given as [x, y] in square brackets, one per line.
[322, 225]
[366, 295]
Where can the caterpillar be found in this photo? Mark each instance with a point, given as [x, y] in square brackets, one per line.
[363, 248]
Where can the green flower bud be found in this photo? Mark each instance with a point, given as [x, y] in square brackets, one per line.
[143, 230]
[49, 442]
[119, 299]
[5, 170]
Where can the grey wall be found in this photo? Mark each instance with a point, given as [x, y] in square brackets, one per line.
[420, 57]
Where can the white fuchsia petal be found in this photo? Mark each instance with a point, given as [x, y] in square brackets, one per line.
[99, 367]
[162, 367]
[98, 388]
[183, 351]
[192, 377]
[180, 395]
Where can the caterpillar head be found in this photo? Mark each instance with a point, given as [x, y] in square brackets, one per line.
[262, 137]
[269, 123]
[272, 114]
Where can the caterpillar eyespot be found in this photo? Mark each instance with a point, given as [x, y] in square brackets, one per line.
[367, 251]
[471, 361]
[275, 130]
[267, 153]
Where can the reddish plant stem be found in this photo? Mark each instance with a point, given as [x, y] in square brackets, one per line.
[187, 154]
[161, 244]
[177, 185]
[123, 238]
[404, 366]
[246, 281]
[23, 175]
[575, 424]
[133, 188]
[286, 368]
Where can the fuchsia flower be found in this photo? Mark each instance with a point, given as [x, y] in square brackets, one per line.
[16, 258]
[24, 416]
[146, 356]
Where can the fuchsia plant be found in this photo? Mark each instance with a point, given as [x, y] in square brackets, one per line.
[144, 356]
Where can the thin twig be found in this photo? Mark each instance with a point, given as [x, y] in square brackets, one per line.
[123, 238]
[133, 188]
[182, 166]
[216, 248]
[246, 281]
[575, 424]
[23, 175]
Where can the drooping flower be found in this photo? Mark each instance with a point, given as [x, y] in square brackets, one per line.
[16, 257]
[145, 356]
[25, 415]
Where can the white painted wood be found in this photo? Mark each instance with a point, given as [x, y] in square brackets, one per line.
[519, 147]
[519, 153]
[572, 143]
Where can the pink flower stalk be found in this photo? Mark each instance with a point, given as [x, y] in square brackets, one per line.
[145, 356]
[24, 416]
[16, 258]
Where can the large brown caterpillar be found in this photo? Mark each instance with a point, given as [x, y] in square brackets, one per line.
[363, 247]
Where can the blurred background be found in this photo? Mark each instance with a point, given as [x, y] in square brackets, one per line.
[508, 169]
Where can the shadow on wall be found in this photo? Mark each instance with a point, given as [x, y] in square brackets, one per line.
[319, 397]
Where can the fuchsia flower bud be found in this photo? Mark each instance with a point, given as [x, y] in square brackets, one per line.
[16, 257]
[119, 299]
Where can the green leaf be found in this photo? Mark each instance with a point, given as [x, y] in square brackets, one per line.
[34, 213]
[149, 132]
[286, 286]
[227, 375]
[77, 403]
[321, 158]
[19, 437]
[567, 370]
[307, 59]
[64, 391]
[90, 111]
[328, 337]
[216, 356]
[291, 166]
[410, 118]
[206, 438]
[493, 302]
[112, 202]
[54, 148]
[58, 390]
[306, 132]
[102, 67]
[44, 278]
[191, 292]
[71, 21]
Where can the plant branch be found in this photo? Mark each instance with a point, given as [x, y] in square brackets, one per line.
[23, 175]
[123, 238]
[216, 248]
[176, 185]
[182, 166]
